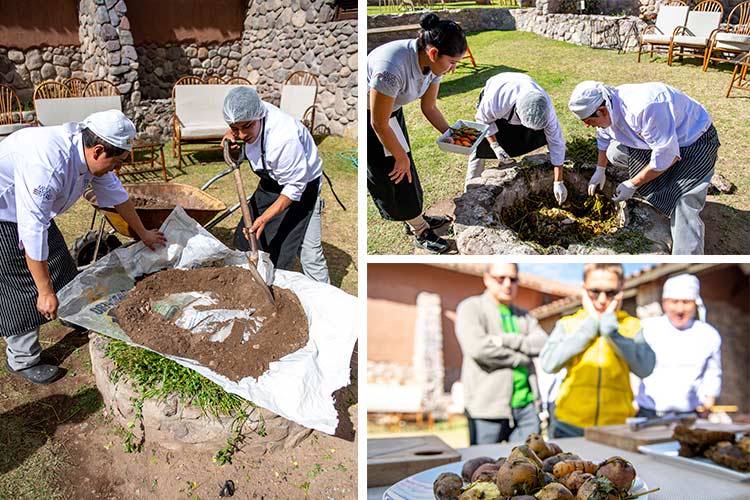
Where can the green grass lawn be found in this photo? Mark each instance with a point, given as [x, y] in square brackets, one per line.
[558, 67]
[396, 9]
[339, 226]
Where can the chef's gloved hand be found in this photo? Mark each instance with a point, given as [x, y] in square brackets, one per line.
[597, 180]
[625, 191]
[499, 152]
[561, 193]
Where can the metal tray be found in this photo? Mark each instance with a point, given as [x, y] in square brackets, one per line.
[667, 453]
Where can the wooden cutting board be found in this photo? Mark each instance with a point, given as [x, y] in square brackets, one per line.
[390, 460]
[620, 436]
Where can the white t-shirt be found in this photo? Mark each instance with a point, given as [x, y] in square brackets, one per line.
[688, 365]
[292, 157]
[42, 173]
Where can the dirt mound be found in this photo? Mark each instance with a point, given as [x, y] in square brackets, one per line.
[264, 335]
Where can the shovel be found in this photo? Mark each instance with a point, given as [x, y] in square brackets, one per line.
[247, 218]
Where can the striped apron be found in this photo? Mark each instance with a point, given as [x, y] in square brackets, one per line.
[18, 293]
[402, 201]
[697, 161]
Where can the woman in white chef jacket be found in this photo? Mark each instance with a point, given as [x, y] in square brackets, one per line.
[285, 205]
[521, 119]
[43, 172]
[400, 72]
[667, 142]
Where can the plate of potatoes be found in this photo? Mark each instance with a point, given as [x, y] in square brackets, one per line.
[535, 470]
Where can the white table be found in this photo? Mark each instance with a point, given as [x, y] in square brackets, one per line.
[676, 483]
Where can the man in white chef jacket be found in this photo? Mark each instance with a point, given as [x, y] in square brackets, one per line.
[521, 118]
[43, 172]
[667, 142]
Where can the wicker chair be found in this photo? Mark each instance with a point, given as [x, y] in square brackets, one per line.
[51, 90]
[298, 97]
[10, 106]
[658, 35]
[214, 80]
[740, 79]
[731, 39]
[188, 80]
[100, 88]
[238, 80]
[76, 86]
[694, 36]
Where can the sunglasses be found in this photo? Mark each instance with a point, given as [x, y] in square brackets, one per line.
[501, 279]
[595, 292]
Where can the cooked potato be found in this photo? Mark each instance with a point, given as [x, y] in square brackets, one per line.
[550, 462]
[486, 472]
[523, 451]
[554, 491]
[447, 486]
[518, 476]
[598, 488]
[619, 471]
[575, 479]
[554, 448]
[481, 491]
[471, 465]
[564, 468]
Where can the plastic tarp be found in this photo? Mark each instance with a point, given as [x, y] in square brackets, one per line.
[298, 387]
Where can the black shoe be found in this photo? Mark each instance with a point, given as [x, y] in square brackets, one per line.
[433, 221]
[430, 242]
[40, 373]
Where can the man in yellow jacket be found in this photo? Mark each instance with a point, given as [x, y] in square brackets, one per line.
[598, 346]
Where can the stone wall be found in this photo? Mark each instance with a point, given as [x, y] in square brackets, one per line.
[161, 66]
[23, 69]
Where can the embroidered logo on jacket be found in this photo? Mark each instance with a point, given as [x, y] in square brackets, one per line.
[44, 192]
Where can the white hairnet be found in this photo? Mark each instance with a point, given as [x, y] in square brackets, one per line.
[588, 96]
[112, 126]
[685, 287]
[243, 104]
[532, 109]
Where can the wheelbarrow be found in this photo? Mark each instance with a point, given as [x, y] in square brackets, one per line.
[154, 201]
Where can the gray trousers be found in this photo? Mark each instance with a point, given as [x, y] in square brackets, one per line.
[686, 225]
[474, 169]
[491, 431]
[23, 349]
[311, 256]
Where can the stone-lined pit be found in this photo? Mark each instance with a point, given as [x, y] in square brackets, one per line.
[496, 215]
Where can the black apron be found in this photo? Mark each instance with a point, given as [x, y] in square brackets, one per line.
[696, 162]
[283, 235]
[402, 201]
[18, 293]
[516, 140]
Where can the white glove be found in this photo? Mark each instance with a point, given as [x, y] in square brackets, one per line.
[499, 152]
[598, 179]
[561, 193]
[625, 191]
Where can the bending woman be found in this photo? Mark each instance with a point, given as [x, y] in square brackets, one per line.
[398, 73]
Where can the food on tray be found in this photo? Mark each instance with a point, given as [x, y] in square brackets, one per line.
[718, 446]
[523, 475]
[464, 136]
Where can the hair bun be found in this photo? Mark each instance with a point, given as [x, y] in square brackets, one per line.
[429, 21]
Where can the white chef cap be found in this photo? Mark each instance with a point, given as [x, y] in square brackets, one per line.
[588, 96]
[532, 109]
[112, 126]
[243, 104]
[685, 287]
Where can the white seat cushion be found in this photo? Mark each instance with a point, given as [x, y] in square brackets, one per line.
[73, 109]
[295, 99]
[732, 41]
[662, 39]
[669, 17]
[692, 41]
[199, 109]
[204, 131]
[8, 129]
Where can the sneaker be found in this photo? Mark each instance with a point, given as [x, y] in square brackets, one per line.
[433, 221]
[430, 242]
